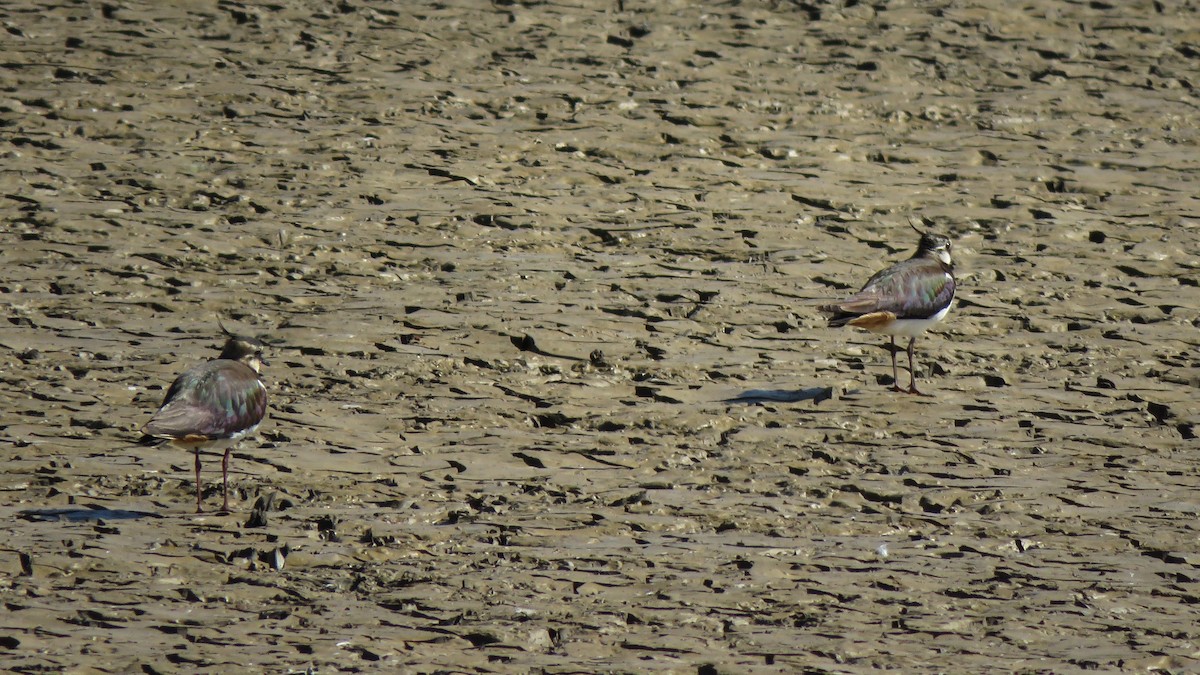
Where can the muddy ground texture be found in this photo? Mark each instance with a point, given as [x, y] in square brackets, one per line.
[549, 390]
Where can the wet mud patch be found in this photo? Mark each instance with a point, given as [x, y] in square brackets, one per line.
[549, 390]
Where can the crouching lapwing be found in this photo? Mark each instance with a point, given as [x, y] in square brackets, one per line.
[213, 405]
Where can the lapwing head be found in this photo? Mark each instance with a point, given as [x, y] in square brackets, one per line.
[933, 246]
[247, 350]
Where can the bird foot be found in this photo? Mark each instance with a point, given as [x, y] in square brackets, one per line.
[913, 390]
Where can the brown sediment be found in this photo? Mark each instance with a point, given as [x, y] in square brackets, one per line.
[540, 281]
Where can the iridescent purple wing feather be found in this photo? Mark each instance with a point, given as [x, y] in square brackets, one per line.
[215, 400]
[913, 289]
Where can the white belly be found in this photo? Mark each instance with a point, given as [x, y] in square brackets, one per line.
[913, 327]
[216, 443]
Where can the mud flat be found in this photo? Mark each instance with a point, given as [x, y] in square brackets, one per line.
[549, 390]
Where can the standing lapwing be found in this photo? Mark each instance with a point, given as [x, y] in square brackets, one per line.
[905, 299]
[213, 405]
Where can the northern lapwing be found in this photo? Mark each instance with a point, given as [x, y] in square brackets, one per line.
[212, 406]
[905, 299]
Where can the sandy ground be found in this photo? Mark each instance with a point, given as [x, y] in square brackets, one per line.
[549, 389]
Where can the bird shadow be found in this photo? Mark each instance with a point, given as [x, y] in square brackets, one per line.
[82, 514]
[814, 394]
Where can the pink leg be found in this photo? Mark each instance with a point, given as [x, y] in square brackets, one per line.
[225, 480]
[912, 374]
[199, 509]
[895, 377]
